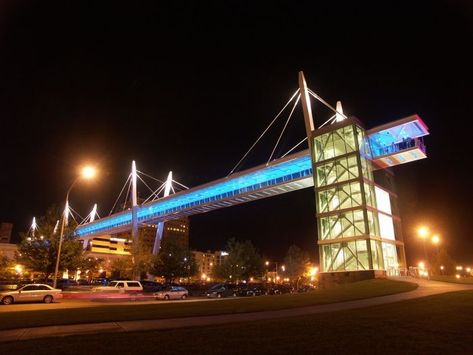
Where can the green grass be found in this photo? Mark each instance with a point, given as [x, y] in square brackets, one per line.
[453, 279]
[160, 310]
[440, 324]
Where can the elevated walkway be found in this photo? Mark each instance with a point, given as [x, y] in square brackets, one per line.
[291, 173]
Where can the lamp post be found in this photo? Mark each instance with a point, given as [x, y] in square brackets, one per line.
[423, 232]
[87, 173]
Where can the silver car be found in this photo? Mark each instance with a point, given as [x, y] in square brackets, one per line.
[174, 292]
[32, 292]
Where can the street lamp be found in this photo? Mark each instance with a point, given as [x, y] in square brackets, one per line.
[422, 232]
[87, 173]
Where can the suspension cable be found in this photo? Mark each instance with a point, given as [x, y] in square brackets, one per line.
[129, 176]
[284, 128]
[262, 134]
[184, 186]
[150, 189]
[329, 120]
[151, 177]
[325, 103]
[290, 150]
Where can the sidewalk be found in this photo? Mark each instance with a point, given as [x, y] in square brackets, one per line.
[426, 288]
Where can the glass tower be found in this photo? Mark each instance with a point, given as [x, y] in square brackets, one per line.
[356, 228]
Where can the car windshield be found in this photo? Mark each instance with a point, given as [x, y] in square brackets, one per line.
[113, 284]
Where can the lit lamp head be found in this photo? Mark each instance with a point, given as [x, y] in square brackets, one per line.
[422, 232]
[88, 172]
[436, 239]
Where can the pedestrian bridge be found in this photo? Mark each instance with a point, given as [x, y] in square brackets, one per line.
[291, 173]
[395, 143]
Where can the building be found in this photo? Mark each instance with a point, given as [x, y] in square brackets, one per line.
[207, 261]
[9, 250]
[5, 232]
[359, 228]
[121, 243]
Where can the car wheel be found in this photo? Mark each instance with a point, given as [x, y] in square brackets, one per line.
[7, 300]
[184, 297]
[166, 297]
[219, 295]
[234, 294]
[48, 299]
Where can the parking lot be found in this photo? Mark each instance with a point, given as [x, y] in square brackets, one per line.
[96, 302]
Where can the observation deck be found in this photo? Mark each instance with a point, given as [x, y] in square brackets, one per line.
[398, 142]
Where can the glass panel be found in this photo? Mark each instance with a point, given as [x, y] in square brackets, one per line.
[386, 226]
[349, 139]
[338, 262]
[373, 223]
[362, 252]
[338, 143]
[391, 263]
[369, 195]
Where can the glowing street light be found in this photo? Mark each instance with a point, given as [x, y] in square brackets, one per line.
[436, 239]
[423, 231]
[87, 173]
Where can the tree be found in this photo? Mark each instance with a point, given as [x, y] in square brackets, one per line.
[5, 267]
[38, 252]
[122, 268]
[296, 263]
[442, 258]
[142, 259]
[173, 261]
[242, 262]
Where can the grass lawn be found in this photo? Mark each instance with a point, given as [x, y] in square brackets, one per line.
[461, 280]
[160, 310]
[440, 324]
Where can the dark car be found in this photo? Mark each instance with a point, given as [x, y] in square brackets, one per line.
[279, 289]
[222, 290]
[151, 286]
[65, 283]
[256, 290]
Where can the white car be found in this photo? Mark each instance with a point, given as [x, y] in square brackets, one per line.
[125, 286]
[172, 293]
[33, 292]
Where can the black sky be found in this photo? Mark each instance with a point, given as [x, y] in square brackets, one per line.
[189, 87]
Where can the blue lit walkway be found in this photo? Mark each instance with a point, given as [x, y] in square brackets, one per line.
[291, 173]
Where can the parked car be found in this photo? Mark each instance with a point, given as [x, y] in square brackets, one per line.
[173, 292]
[256, 290]
[151, 286]
[32, 292]
[65, 283]
[122, 286]
[222, 290]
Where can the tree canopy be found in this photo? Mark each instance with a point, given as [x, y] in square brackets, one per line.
[173, 261]
[296, 263]
[242, 262]
[38, 252]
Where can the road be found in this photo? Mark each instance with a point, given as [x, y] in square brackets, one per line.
[426, 288]
[85, 303]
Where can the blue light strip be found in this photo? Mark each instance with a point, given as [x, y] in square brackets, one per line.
[280, 173]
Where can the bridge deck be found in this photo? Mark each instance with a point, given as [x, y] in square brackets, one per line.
[280, 176]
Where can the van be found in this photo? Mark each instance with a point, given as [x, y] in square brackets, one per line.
[121, 286]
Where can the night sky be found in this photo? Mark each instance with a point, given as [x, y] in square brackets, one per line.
[189, 88]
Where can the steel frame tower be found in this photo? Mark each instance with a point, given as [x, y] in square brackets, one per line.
[356, 228]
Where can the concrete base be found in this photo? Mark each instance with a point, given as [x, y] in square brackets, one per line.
[329, 279]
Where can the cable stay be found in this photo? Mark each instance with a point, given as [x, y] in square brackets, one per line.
[120, 194]
[317, 97]
[264, 132]
[284, 128]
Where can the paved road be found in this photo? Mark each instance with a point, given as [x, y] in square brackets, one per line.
[85, 303]
[426, 288]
